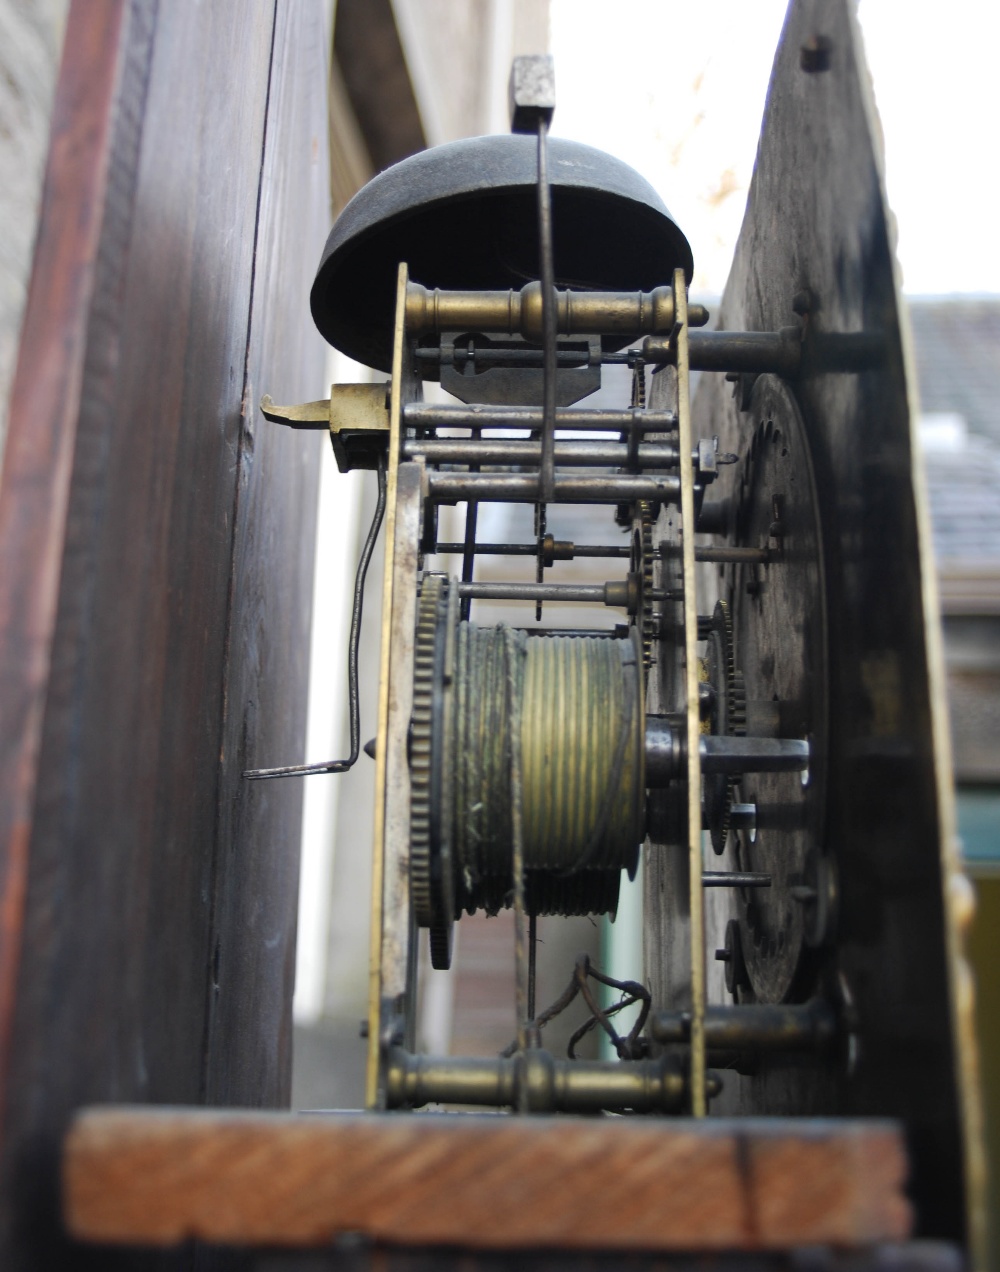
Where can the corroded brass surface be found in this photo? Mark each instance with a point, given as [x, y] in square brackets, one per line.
[385, 663]
[626, 314]
[357, 416]
[582, 761]
[583, 752]
[811, 1026]
[536, 1081]
[302, 415]
[693, 710]
[359, 424]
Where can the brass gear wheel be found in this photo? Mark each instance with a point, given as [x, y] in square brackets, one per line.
[431, 881]
[729, 716]
[736, 694]
[440, 943]
[642, 564]
[420, 748]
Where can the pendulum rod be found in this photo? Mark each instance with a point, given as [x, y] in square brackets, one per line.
[547, 270]
[532, 957]
[469, 553]
[693, 711]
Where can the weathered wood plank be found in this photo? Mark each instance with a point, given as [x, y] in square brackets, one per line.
[160, 1177]
[817, 242]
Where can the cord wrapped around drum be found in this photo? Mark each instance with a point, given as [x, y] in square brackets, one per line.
[582, 761]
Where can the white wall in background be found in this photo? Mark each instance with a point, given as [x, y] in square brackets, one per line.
[337, 550]
[678, 92]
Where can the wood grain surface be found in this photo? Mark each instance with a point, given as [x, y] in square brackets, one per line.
[156, 578]
[159, 1177]
[817, 243]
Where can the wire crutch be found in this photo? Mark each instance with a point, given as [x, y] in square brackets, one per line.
[341, 766]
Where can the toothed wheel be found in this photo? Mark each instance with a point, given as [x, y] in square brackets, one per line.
[420, 743]
[780, 626]
[440, 941]
[642, 564]
[728, 716]
[737, 704]
[431, 882]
